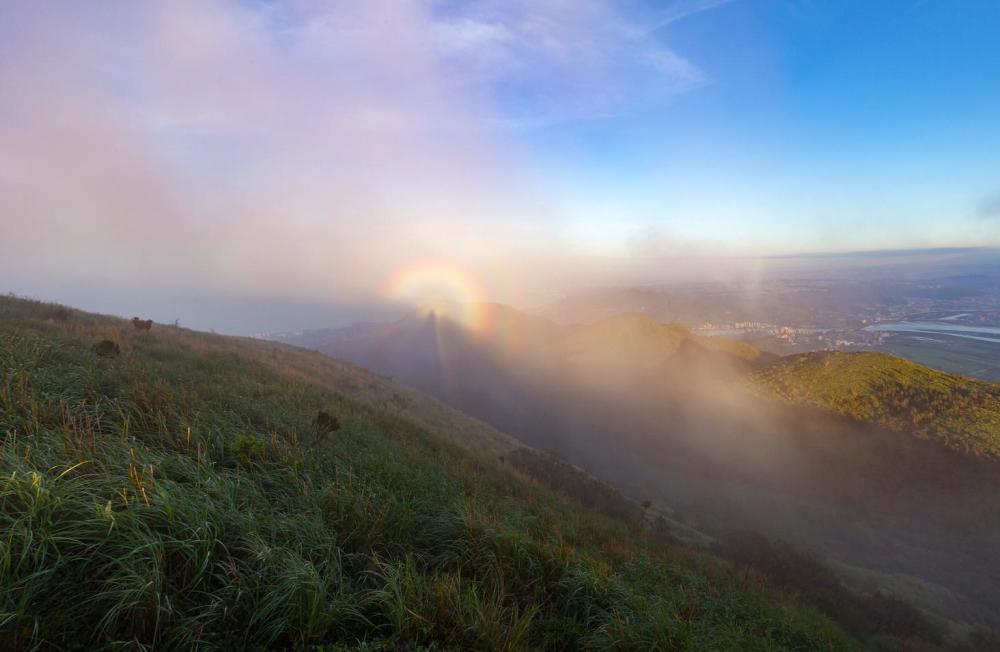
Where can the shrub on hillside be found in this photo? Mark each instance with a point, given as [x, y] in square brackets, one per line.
[248, 449]
[107, 349]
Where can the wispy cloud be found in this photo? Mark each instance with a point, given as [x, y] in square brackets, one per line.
[303, 147]
[546, 61]
[676, 11]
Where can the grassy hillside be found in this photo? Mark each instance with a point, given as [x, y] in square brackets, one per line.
[196, 491]
[648, 408]
[961, 413]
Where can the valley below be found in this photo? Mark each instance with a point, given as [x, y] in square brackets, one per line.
[871, 466]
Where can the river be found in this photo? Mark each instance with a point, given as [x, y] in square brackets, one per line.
[982, 333]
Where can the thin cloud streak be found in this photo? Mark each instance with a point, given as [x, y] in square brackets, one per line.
[562, 61]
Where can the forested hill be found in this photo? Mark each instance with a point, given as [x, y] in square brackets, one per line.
[166, 489]
[959, 412]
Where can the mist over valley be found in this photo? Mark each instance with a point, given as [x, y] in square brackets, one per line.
[423, 325]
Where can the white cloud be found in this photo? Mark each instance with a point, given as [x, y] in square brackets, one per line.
[304, 147]
[553, 60]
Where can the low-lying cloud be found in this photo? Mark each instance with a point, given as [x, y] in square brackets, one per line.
[303, 148]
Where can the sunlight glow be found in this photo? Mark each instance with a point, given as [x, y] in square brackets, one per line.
[441, 287]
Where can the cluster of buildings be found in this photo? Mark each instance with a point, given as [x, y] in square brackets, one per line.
[785, 339]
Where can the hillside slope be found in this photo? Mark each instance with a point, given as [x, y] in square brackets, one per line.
[636, 339]
[651, 410]
[185, 490]
[510, 367]
[960, 413]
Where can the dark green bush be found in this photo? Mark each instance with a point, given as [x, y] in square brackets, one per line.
[248, 449]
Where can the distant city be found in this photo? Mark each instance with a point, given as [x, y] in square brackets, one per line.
[946, 317]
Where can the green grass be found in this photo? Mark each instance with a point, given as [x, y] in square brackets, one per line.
[182, 496]
[958, 412]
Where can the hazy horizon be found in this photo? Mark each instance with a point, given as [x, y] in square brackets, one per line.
[250, 166]
[237, 313]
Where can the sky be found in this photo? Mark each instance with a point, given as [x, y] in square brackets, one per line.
[264, 164]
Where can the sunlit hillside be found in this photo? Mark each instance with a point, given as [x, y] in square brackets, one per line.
[961, 413]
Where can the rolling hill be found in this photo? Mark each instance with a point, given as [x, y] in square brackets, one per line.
[182, 490]
[960, 413]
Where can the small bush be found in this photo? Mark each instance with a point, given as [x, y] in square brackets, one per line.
[248, 449]
[326, 422]
[107, 349]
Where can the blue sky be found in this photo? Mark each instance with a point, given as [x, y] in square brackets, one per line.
[309, 150]
[844, 125]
